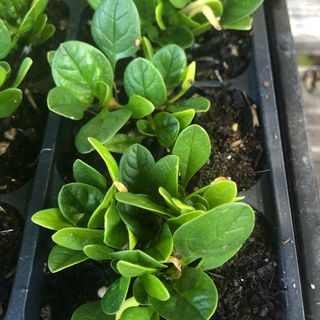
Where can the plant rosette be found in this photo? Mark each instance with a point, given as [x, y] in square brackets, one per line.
[160, 238]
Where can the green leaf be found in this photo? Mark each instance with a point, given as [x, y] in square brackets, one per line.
[50, 55]
[146, 9]
[121, 142]
[147, 48]
[154, 287]
[198, 104]
[144, 128]
[78, 66]
[133, 240]
[23, 70]
[171, 61]
[176, 222]
[107, 158]
[77, 238]
[3, 76]
[215, 233]
[167, 128]
[159, 16]
[166, 196]
[63, 102]
[135, 165]
[115, 296]
[51, 219]
[193, 149]
[5, 40]
[214, 262]
[84, 173]
[139, 106]
[91, 311]
[78, 201]
[184, 117]
[115, 234]
[98, 252]
[165, 174]
[141, 223]
[102, 92]
[116, 28]
[94, 3]
[141, 201]
[46, 34]
[141, 313]
[102, 127]
[161, 248]
[142, 78]
[235, 10]
[180, 3]
[61, 258]
[30, 19]
[221, 192]
[193, 296]
[140, 293]
[38, 27]
[180, 36]
[96, 220]
[182, 207]
[131, 270]
[244, 24]
[10, 100]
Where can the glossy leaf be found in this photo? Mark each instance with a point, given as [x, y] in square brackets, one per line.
[61, 258]
[184, 117]
[5, 40]
[244, 24]
[161, 248]
[215, 233]
[107, 158]
[140, 293]
[179, 3]
[193, 149]
[115, 296]
[120, 142]
[51, 219]
[141, 223]
[154, 287]
[77, 202]
[84, 173]
[141, 313]
[176, 222]
[45, 35]
[115, 233]
[77, 238]
[91, 311]
[98, 252]
[128, 269]
[221, 192]
[135, 166]
[3, 76]
[10, 100]
[144, 128]
[167, 128]
[139, 106]
[198, 104]
[96, 220]
[193, 296]
[171, 61]
[142, 78]
[78, 66]
[63, 102]
[116, 28]
[94, 3]
[141, 201]
[179, 35]
[165, 174]
[102, 127]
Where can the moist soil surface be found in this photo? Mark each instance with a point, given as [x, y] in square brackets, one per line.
[11, 228]
[236, 138]
[21, 134]
[221, 55]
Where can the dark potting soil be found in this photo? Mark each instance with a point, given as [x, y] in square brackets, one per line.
[221, 55]
[11, 228]
[248, 285]
[21, 133]
[236, 138]
[69, 289]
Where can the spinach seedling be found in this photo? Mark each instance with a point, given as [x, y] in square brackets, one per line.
[20, 21]
[180, 21]
[159, 238]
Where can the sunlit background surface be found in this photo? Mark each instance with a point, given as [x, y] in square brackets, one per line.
[305, 26]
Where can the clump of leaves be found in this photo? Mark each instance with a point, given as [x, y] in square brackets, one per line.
[84, 77]
[159, 238]
[180, 21]
[21, 22]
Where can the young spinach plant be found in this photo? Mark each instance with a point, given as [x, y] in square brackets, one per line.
[160, 238]
[20, 22]
[180, 21]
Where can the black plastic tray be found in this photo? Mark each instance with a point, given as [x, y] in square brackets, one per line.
[269, 195]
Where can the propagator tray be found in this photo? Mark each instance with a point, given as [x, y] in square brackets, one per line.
[269, 195]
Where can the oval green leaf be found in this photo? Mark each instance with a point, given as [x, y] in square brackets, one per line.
[51, 219]
[91, 311]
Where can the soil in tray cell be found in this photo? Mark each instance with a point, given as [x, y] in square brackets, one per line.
[233, 126]
[221, 55]
[11, 228]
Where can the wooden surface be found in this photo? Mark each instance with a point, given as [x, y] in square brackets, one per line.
[305, 24]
